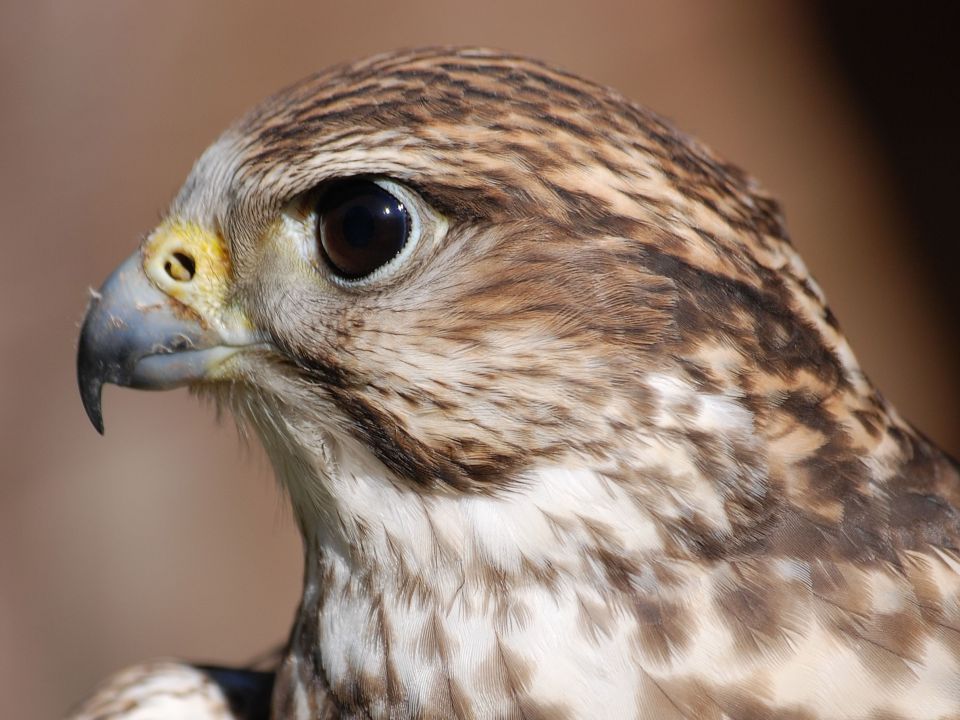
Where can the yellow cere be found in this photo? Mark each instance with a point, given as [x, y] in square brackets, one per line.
[191, 264]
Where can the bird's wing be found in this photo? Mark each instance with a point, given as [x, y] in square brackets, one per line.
[170, 690]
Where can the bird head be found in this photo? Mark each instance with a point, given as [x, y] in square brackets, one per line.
[445, 270]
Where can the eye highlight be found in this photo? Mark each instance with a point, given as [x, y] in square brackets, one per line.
[361, 227]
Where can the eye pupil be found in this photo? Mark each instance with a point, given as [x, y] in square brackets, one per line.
[360, 227]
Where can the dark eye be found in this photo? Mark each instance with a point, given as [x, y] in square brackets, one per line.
[360, 227]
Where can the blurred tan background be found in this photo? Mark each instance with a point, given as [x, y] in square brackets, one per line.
[166, 537]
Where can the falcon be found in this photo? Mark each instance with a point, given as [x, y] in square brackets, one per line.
[566, 425]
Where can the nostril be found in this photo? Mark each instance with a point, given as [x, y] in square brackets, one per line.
[180, 266]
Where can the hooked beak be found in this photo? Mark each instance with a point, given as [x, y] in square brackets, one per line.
[140, 336]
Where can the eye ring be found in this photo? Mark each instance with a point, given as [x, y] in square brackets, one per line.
[361, 227]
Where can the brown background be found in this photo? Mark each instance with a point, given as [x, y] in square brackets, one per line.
[166, 537]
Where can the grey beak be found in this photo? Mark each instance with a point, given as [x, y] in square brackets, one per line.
[136, 336]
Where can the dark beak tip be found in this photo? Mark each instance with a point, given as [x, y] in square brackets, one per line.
[91, 390]
[90, 381]
[95, 415]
